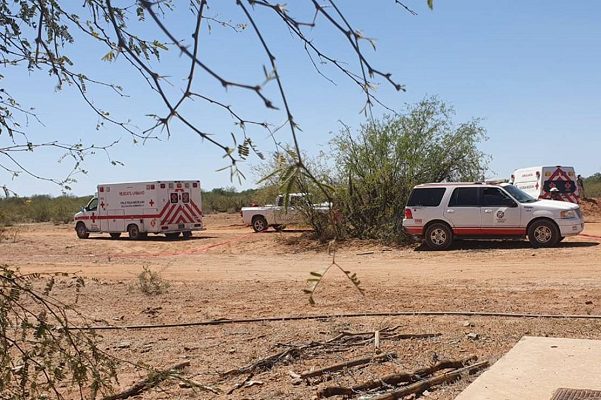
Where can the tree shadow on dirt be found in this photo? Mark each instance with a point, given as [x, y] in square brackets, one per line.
[157, 238]
[287, 231]
[504, 245]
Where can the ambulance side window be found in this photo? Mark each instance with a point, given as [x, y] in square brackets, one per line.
[173, 197]
[92, 205]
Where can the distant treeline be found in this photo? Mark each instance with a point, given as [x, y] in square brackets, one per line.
[44, 208]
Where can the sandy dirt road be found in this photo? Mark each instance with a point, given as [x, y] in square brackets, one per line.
[228, 271]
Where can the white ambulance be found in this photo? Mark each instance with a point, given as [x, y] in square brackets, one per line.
[140, 208]
[541, 182]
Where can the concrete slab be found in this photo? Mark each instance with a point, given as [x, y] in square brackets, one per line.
[536, 367]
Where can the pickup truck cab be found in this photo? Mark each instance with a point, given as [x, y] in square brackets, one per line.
[440, 212]
[277, 215]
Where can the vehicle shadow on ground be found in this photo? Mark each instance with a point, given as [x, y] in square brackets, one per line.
[503, 245]
[288, 231]
[153, 238]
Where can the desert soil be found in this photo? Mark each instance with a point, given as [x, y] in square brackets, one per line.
[230, 272]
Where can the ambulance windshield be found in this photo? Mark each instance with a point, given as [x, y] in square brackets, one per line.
[92, 205]
[519, 195]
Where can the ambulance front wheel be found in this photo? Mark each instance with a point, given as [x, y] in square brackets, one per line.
[134, 232]
[82, 231]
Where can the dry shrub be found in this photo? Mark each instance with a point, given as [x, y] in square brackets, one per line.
[151, 282]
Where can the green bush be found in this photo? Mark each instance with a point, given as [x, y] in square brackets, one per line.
[380, 165]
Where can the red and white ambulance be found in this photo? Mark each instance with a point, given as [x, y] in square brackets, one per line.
[539, 182]
[140, 208]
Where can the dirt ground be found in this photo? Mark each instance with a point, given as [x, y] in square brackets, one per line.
[230, 272]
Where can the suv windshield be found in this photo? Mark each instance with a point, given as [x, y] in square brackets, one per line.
[519, 195]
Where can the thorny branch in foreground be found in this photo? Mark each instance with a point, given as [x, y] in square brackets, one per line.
[42, 35]
[43, 354]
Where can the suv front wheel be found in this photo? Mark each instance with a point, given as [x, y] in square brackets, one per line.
[439, 236]
[543, 234]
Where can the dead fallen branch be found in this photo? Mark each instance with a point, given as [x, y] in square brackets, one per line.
[349, 364]
[421, 386]
[363, 338]
[269, 362]
[153, 379]
[393, 379]
[339, 343]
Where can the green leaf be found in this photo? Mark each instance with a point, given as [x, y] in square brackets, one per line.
[110, 56]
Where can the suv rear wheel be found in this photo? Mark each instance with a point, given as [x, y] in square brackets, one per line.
[439, 236]
[543, 234]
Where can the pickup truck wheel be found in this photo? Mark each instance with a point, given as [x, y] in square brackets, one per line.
[115, 235]
[259, 223]
[134, 232]
[543, 234]
[438, 237]
[82, 231]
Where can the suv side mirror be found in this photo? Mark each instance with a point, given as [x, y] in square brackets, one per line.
[82, 209]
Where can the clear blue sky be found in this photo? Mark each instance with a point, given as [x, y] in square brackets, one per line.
[531, 70]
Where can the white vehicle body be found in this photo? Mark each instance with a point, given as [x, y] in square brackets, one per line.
[439, 212]
[538, 181]
[278, 215]
[139, 208]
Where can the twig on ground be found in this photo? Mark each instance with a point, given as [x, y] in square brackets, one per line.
[153, 379]
[240, 384]
[349, 364]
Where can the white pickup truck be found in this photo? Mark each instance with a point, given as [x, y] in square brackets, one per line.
[277, 215]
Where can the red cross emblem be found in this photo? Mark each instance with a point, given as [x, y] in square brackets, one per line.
[151, 202]
[102, 205]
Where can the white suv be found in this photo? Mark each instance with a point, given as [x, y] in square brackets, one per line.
[439, 212]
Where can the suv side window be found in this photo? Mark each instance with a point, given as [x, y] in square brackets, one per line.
[493, 197]
[465, 197]
[426, 197]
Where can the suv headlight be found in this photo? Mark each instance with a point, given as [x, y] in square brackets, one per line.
[567, 214]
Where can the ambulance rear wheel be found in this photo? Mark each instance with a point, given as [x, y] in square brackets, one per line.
[187, 234]
[115, 235]
[82, 231]
[134, 232]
